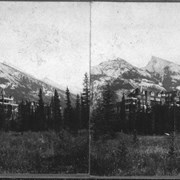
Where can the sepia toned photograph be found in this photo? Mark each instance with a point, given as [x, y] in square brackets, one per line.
[44, 87]
[135, 89]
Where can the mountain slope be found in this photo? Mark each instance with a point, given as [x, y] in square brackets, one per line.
[158, 75]
[52, 83]
[168, 73]
[24, 86]
[118, 67]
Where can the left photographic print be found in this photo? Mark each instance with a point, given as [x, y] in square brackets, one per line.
[44, 87]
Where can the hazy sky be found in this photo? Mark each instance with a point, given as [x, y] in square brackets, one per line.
[47, 39]
[51, 39]
[135, 32]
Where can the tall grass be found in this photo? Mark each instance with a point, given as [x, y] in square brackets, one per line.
[43, 152]
[128, 155]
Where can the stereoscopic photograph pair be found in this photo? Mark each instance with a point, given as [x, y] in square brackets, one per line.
[89, 89]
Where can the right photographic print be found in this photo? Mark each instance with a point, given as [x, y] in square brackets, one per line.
[135, 89]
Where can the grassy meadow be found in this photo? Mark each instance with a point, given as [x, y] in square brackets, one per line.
[44, 152]
[126, 155]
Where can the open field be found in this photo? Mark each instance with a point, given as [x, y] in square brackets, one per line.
[124, 155]
[43, 152]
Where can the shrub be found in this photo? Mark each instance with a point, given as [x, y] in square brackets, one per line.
[43, 152]
[154, 155]
[109, 157]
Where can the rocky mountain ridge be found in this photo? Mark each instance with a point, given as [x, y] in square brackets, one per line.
[158, 74]
[23, 86]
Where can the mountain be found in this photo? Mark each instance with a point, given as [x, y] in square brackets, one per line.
[73, 89]
[168, 73]
[52, 83]
[21, 85]
[159, 74]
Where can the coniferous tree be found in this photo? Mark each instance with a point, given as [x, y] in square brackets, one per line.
[108, 99]
[49, 116]
[77, 113]
[97, 120]
[32, 116]
[28, 116]
[85, 102]
[2, 113]
[21, 115]
[40, 113]
[68, 112]
[81, 113]
[13, 124]
[8, 116]
[2, 117]
[103, 113]
[123, 114]
[56, 112]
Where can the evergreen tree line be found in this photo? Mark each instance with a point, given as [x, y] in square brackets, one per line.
[39, 116]
[158, 119]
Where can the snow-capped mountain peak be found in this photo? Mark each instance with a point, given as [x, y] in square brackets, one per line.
[112, 68]
[158, 65]
[21, 85]
[167, 72]
[159, 74]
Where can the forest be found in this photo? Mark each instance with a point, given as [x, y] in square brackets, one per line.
[154, 120]
[41, 116]
[140, 142]
[46, 138]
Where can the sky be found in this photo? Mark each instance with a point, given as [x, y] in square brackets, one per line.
[135, 32]
[47, 39]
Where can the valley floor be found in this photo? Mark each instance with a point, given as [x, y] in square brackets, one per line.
[125, 155]
[44, 152]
